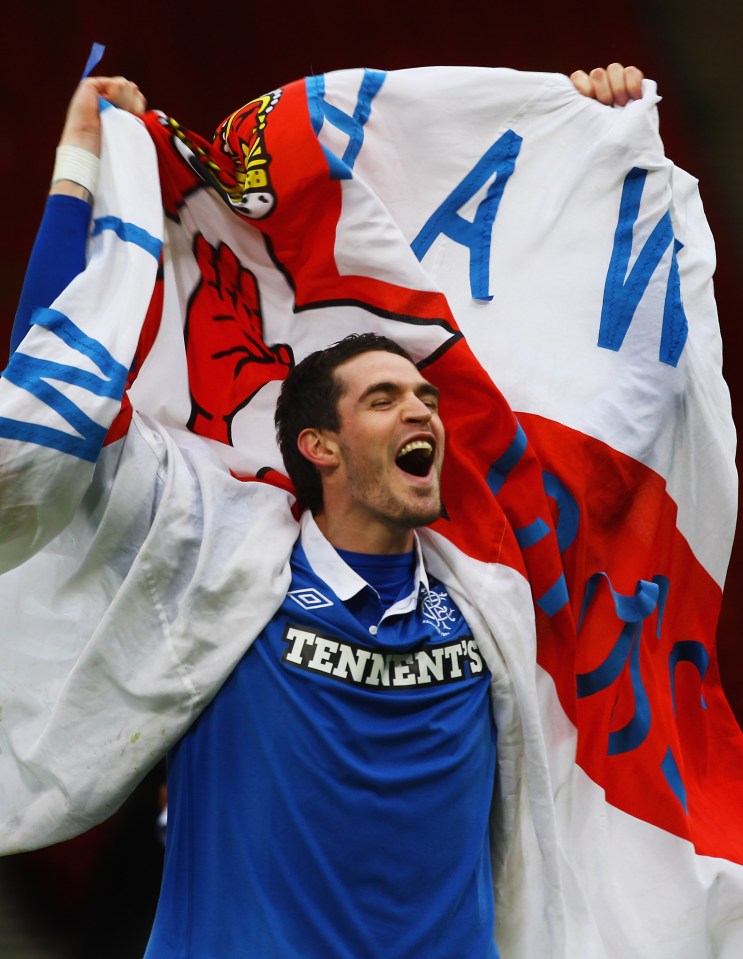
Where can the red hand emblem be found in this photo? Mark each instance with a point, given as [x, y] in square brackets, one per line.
[228, 360]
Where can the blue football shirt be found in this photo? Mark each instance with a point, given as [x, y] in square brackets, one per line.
[332, 802]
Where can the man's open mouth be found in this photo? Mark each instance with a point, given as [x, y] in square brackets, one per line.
[416, 457]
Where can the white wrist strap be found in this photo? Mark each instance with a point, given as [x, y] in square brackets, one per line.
[78, 165]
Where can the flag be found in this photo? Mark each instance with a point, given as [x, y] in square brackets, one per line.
[550, 270]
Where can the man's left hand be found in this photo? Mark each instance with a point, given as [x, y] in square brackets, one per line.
[615, 86]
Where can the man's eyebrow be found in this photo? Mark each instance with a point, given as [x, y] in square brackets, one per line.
[385, 386]
[382, 387]
[428, 389]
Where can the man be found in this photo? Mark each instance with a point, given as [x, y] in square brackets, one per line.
[333, 800]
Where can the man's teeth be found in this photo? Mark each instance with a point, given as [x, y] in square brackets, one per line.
[417, 445]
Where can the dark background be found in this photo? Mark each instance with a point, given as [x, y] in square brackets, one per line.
[200, 61]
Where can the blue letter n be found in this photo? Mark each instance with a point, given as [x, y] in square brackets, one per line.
[623, 292]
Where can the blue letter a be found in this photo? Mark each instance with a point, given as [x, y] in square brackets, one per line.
[498, 162]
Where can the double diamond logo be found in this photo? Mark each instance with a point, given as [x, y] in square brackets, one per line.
[309, 598]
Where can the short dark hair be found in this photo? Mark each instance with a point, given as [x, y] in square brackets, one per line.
[309, 399]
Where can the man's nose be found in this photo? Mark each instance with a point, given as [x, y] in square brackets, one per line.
[415, 410]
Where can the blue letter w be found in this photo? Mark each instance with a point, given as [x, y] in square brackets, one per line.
[350, 124]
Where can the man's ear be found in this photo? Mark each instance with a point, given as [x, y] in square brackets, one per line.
[319, 447]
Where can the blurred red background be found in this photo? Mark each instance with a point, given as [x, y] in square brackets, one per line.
[200, 61]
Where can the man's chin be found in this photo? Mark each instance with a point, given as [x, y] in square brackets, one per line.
[423, 516]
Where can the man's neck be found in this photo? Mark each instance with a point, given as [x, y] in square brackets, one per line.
[364, 537]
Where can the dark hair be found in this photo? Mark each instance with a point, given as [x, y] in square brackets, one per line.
[309, 399]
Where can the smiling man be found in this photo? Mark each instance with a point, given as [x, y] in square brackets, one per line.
[375, 454]
[357, 730]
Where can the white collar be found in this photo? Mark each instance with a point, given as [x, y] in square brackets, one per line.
[345, 582]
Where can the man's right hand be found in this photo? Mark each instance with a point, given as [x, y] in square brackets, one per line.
[83, 124]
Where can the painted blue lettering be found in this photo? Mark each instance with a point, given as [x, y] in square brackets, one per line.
[663, 584]
[533, 533]
[497, 163]
[685, 651]
[632, 611]
[555, 596]
[34, 375]
[498, 472]
[568, 513]
[623, 291]
[688, 651]
[129, 233]
[341, 168]
[672, 775]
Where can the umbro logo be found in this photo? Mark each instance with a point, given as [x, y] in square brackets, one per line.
[309, 598]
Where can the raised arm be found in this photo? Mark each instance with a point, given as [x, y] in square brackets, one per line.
[58, 254]
[64, 383]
